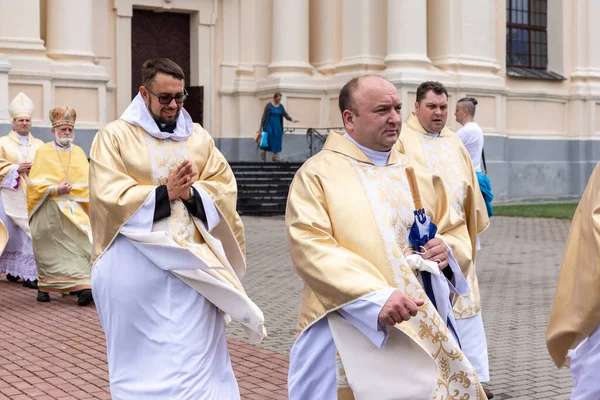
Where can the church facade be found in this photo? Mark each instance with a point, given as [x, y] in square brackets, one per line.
[533, 65]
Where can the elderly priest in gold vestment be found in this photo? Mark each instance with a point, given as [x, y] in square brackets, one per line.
[573, 334]
[17, 150]
[366, 327]
[169, 250]
[425, 139]
[58, 206]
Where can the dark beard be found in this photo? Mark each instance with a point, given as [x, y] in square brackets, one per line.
[160, 121]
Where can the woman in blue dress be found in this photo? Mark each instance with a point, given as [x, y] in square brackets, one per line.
[272, 123]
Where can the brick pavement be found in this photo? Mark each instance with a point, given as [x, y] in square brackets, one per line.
[56, 350]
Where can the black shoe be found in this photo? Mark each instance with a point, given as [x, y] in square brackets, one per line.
[488, 393]
[43, 297]
[12, 278]
[84, 297]
[30, 284]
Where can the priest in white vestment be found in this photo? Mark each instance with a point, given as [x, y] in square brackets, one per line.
[573, 334]
[367, 330]
[168, 252]
[426, 140]
[17, 151]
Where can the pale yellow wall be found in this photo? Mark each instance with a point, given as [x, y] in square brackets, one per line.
[501, 36]
[335, 117]
[306, 110]
[43, 23]
[35, 93]
[83, 100]
[246, 37]
[536, 117]
[597, 117]
[485, 114]
[217, 124]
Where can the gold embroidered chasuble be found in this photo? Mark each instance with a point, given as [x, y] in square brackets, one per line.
[576, 309]
[12, 153]
[446, 157]
[348, 223]
[127, 164]
[53, 165]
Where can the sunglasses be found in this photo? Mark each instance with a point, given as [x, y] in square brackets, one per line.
[166, 99]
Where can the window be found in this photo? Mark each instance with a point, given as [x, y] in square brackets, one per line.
[526, 34]
[527, 40]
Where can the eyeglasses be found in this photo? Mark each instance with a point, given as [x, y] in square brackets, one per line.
[166, 99]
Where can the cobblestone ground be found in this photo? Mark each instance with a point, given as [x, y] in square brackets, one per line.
[56, 350]
[517, 270]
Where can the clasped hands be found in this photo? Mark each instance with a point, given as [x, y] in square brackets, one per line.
[24, 167]
[402, 307]
[64, 188]
[180, 181]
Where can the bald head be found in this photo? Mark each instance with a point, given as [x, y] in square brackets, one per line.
[371, 111]
[346, 100]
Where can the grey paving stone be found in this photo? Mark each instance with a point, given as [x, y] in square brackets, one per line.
[517, 269]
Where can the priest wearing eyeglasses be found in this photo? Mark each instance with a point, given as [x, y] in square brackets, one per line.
[169, 248]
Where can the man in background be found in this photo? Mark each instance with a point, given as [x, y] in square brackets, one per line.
[426, 139]
[58, 205]
[17, 151]
[471, 135]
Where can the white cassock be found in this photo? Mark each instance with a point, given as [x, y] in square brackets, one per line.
[584, 365]
[167, 341]
[471, 330]
[471, 333]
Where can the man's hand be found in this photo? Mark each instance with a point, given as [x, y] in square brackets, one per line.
[64, 188]
[436, 250]
[24, 167]
[180, 180]
[399, 307]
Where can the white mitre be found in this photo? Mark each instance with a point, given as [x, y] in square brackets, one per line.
[21, 106]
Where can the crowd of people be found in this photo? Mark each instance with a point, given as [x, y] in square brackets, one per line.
[44, 212]
[389, 310]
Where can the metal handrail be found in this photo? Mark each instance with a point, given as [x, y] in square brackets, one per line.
[312, 133]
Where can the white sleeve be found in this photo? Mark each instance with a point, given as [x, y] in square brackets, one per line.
[11, 181]
[143, 219]
[210, 210]
[363, 314]
[460, 286]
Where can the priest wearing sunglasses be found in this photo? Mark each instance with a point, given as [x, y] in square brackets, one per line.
[169, 248]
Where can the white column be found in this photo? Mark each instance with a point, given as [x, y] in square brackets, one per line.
[325, 34]
[462, 35]
[123, 61]
[4, 70]
[20, 25]
[406, 35]
[70, 30]
[586, 60]
[248, 39]
[363, 35]
[289, 54]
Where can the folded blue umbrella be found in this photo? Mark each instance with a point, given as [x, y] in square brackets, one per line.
[422, 231]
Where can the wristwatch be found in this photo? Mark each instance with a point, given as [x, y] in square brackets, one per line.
[191, 199]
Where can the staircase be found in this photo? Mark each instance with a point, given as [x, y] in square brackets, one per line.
[263, 187]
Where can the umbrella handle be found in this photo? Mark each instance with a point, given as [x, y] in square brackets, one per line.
[414, 188]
